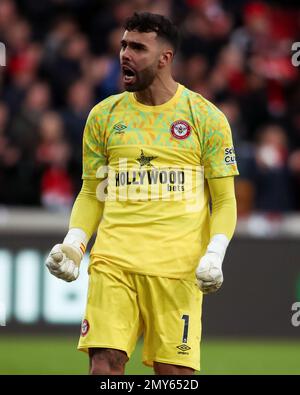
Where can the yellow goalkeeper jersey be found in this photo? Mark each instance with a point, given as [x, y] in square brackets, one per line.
[155, 160]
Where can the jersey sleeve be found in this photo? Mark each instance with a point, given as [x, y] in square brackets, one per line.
[94, 152]
[218, 156]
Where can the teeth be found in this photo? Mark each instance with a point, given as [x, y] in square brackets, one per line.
[128, 78]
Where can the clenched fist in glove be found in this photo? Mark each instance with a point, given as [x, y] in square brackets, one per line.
[209, 271]
[64, 259]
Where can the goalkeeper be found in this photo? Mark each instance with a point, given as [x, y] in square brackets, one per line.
[163, 159]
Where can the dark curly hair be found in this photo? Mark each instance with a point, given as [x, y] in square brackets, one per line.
[145, 22]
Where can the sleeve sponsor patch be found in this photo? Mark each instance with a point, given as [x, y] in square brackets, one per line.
[229, 156]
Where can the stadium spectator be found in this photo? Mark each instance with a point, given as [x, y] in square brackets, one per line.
[53, 156]
[274, 193]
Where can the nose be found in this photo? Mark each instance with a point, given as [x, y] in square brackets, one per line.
[125, 54]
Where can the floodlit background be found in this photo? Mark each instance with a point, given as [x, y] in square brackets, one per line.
[61, 58]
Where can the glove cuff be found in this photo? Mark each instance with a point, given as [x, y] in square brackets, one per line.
[77, 238]
[218, 245]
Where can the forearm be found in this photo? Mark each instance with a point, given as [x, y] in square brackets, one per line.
[87, 209]
[65, 258]
[223, 220]
[224, 216]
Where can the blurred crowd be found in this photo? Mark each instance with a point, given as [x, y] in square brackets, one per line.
[62, 57]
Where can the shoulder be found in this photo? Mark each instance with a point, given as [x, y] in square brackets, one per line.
[207, 111]
[106, 106]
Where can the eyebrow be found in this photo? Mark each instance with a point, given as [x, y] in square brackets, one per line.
[134, 44]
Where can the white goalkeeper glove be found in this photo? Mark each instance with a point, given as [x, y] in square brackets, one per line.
[209, 271]
[64, 259]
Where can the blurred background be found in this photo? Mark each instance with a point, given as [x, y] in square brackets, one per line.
[62, 57]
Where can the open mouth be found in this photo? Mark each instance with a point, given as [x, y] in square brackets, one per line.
[129, 75]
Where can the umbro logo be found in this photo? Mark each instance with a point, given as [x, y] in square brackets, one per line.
[184, 347]
[119, 128]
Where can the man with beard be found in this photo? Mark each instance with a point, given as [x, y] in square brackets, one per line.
[154, 158]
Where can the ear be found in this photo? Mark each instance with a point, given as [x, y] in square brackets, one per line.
[165, 58]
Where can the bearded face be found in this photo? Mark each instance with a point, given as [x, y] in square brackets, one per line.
[139, 57]
[135, 81]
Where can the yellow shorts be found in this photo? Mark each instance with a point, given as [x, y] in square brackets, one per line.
[122, 306]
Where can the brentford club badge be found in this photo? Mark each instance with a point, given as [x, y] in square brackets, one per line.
[85, 326]
[180, 130]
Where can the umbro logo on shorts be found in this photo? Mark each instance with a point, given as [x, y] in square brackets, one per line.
[183, 349]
